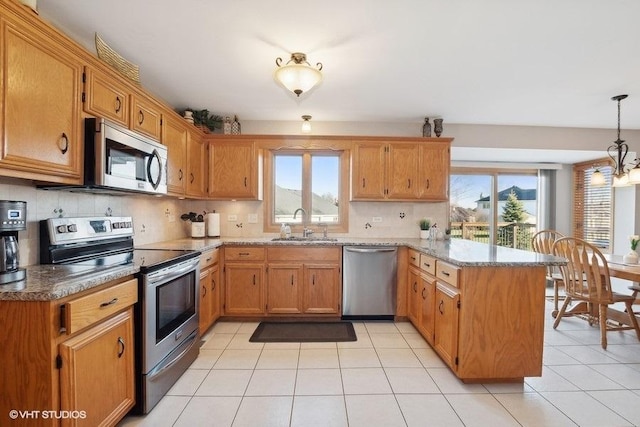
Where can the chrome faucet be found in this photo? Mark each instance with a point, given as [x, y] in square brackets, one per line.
[306, 232]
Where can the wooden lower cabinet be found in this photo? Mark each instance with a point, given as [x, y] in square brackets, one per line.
[322, 289]
[445, 339]
[210, 307]
[97, 376]
[244, 288]
[284, 288]
[485, 322]
[69, 354]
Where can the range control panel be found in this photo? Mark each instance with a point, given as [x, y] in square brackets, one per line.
[66, 230]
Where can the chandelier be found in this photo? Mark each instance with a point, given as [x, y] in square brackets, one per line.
[298, 75]
[624, 174]
[306, 124]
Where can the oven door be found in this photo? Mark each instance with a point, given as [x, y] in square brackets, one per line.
[169, 310]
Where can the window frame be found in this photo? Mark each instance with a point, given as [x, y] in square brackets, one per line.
[343, 154]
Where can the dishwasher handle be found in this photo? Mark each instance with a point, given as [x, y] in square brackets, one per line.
[369, 250]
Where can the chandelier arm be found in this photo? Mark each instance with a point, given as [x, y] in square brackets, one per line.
[278, 61]
[319, 65]
[616, 159]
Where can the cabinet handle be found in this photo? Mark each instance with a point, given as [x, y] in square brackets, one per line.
[409, 185]
[118, 104]
[245, 181]
[423, 291]
[204, 291]
[243, 253]
[254, 279]
[208, 259]
[64, 148]
[106, 304]
[426, 264]
[192, 178]
[122, 346]
[140, 117]
[427, 183]
[292, 280]
[415, 286]
[180, 174]
[441, 307]
[445, 273]
[363, 183]
[214, 284]
[313, 279]
[413, 258]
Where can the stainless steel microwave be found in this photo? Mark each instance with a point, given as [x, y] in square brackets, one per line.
[116, 158]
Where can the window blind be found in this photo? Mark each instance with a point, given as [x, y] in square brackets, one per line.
[593, 207]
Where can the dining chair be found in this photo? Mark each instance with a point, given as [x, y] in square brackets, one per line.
[586, 280]
[542, 242]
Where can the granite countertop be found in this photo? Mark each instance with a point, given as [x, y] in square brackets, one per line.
[50, 282]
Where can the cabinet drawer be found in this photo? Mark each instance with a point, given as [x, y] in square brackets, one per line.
[297, 253]
[428, 264]
[239, 253]
[414, 258]
[447, 273]
[208, 258]
[84, 311]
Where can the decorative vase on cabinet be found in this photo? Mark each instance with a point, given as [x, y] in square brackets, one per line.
[426, 128]
[437, 127]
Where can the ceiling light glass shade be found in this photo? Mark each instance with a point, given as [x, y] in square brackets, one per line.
[598, 179]
[298, 75]
[621, 180]
[634, 175]
[306, 124]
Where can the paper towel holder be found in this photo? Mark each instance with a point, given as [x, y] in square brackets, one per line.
[213, 224]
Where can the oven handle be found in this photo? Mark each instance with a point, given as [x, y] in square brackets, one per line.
[155, 278]
[165, 365]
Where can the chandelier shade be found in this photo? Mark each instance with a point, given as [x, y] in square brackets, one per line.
[298, 75]
[306, 124]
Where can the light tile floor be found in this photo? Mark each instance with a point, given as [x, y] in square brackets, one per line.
[391, 377]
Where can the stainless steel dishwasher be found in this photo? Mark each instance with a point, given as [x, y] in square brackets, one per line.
[369, 282]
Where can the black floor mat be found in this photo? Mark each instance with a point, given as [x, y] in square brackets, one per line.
[304, 332]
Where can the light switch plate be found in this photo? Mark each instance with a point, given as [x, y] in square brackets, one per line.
[252, 219]
[232, 217]
[376, 219]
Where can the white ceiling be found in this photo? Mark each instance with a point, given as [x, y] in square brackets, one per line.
[504, 62]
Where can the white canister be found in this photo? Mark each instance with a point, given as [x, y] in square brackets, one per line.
[197, 229]
[213, 224]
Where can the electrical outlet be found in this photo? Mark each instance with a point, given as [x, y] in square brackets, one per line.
[376, 219]
[232, 218]
[252, 219]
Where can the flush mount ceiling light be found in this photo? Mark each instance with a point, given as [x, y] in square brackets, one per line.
[623, 174]
[298, 75]
[306, 124]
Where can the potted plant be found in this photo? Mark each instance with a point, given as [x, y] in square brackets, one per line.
[206, 121]
[425, 224]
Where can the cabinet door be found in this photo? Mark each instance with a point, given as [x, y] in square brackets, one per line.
[40, 121]
[446, 323]
[427, 306]
[205, 308]
[403, 180]
[196, 165]
[413, 299]
[146, 117]
[283, 288]
[434, 169]
[105, 97]
[368, 174]
[321, 293]
[97, 373]
[243, 288]
[233, 170]
[174, 136]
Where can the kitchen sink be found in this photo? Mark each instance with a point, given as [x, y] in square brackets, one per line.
[304, 239]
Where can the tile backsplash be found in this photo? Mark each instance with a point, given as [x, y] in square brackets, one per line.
[157, 219]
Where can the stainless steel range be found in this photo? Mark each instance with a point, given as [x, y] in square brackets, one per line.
[166, 320]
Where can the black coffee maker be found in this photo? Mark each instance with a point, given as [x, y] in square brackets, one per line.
[13, 218]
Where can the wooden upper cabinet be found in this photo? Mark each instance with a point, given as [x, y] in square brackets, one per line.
[234, 170]
[403, 171]
[175, 136]
[368, 170]
[105, 97]
[400, 170]
[435, 161]
[40, 119]
[196, 165]
[146, 116]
